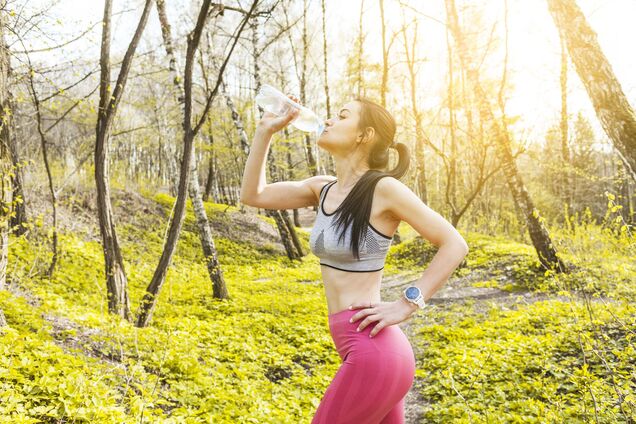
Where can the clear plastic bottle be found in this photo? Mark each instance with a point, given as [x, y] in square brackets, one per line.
[276, 102]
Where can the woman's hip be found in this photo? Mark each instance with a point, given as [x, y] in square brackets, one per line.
[390, 342]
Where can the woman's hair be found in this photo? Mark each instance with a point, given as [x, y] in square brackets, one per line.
[356, 207]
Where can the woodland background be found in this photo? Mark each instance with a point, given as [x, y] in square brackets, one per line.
[134, 285]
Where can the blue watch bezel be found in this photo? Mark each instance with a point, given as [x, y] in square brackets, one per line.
[411, 289]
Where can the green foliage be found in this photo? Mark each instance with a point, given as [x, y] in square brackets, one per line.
[265, 355]
[40, 382]
[254, 357]
[545, 362]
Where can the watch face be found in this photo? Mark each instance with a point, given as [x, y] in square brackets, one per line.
[412, 293]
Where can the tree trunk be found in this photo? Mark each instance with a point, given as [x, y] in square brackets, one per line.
[287, 231]
[45, 158]
[565, 150]
[205, 234]
[6, 165]
[385, 58]
[236, 118]
[210, 182]
[420, 163]
[219, 288]
[359, 78]
[450, 192]
[612, 108]
[149, 300]
[529, 214]
[116, 281]
[291, 176]
[303, 93]
[283, 229]
[19, 218]
[325, 58]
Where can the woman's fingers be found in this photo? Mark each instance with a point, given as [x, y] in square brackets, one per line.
[368, 320]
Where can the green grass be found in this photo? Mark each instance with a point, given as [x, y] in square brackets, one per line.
[266, 356]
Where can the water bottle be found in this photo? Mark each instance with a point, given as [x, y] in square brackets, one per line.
[272, 100]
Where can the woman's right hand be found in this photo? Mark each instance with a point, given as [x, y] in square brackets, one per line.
[273, 123]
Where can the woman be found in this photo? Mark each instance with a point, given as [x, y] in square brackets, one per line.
[358, 212]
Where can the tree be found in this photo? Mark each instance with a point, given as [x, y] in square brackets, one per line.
[283, 223]
[215, 272]
[538, 233]
[610, 103]
[6, 191]
[19, 216]
[47, 166]
[565, 149]
[190, 131]
[116, 280]
[325, 56]
[410, 53]
[385, 58]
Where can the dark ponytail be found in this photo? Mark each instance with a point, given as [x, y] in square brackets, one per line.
[356, 207]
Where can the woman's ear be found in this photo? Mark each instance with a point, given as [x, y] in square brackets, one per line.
[367, 134]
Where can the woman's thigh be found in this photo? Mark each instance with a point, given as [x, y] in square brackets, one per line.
[367, 387]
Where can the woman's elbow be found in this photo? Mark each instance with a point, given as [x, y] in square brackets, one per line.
[248, 202]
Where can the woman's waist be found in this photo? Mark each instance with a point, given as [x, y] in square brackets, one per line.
[338, 302]
[344, 290]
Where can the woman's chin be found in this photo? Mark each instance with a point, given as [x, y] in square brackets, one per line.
[323, 144]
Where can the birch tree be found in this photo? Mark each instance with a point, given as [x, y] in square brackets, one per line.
[6, 190]
[213, 266]
[528, 212]
[610, 103]
[190, 130]
[410, 53]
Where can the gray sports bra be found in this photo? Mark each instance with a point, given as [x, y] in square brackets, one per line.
[323, 242]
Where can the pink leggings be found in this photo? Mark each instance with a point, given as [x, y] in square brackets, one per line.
[375, 375]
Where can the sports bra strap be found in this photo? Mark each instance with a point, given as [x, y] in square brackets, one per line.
[322, 192]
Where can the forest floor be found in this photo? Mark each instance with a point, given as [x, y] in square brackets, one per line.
[458, 291]
[501, 341]
[459, 296]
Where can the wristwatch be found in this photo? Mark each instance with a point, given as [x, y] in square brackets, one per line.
[414, 295]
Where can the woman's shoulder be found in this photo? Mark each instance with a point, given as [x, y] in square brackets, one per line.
[394, 195]
[323, 180]
[319, 182]
[387, 184]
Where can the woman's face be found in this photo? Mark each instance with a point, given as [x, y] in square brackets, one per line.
[341, 131]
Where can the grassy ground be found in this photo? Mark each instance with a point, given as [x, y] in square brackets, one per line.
[501, 342]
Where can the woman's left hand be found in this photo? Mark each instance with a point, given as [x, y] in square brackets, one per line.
[386, 313]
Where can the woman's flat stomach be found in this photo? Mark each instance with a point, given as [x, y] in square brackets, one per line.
[344, 288]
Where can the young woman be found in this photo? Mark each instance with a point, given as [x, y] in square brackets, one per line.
[358, 213]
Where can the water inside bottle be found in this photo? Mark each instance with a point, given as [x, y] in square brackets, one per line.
[276, 102]
[308, 121]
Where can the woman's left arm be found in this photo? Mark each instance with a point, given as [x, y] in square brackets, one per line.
[406, 206]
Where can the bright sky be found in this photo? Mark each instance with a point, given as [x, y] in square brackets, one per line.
[534, 52]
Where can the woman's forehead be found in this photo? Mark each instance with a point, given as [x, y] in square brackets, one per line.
[352, 107]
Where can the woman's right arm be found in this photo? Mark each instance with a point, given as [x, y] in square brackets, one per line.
[280, 195]
[254, 180]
